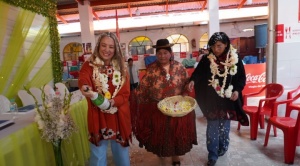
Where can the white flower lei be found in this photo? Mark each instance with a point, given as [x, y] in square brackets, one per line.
[103, 79]
[229, 67]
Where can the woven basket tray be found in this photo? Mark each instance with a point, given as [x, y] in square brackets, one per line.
[177, 106]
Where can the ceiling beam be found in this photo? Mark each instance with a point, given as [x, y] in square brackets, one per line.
[61, 19]
[203, 5]
[242, 4]
[110, 2]
[95, 15]
[129, 10]
[67, 6]
[167, 7]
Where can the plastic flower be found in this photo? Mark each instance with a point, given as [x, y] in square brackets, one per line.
[97, 60]
[233, 70]
[107, 95]
[109, 71]
[228, 91]
[116, 78]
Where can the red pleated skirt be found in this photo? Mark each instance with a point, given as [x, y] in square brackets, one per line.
[163, 135]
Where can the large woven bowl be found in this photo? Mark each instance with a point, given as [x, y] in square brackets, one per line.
[177, 106]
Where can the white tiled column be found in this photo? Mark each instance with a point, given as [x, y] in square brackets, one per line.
[86, 23]
[286, 57]
[213, 13]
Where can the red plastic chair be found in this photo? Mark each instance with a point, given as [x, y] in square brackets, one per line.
[290, 95]
[293, 93]
[257, 113]
[288, 125]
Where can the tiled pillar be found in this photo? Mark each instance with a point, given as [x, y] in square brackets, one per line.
[286, 57]
[213, 13]
[86, 23]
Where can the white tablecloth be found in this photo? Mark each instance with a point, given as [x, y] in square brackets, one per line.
[25, 118]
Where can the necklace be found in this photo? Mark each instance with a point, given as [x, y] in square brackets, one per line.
[168, 76]
[229, 67]
[101, 79]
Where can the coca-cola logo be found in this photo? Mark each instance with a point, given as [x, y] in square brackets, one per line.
[256, 78]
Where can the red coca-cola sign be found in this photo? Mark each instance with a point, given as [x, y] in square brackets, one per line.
[252, 78]
[255, 77]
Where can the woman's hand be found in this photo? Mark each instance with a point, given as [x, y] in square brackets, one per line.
[86, 91]
[191, 86]
[234, 96]
[112, 102]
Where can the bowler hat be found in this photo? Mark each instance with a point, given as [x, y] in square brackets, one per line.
[162, 43]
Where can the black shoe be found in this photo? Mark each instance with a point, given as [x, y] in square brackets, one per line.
[221, 152]
[211, 162]
[176, 163]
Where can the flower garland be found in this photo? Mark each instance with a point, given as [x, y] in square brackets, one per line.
[101, 81]
[229, 67]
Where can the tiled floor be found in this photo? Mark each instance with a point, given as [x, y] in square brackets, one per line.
[242, 151]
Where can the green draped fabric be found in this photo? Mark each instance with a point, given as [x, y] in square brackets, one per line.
[39, 78]
[30, 40]
[25, 147]
[14, 47]
[30, 59]
[3, 16]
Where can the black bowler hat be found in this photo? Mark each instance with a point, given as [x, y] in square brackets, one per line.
[162, 43]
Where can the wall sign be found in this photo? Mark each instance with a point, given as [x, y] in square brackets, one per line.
[135, 57]
[195, 53]
[279, 33]
[183, 55]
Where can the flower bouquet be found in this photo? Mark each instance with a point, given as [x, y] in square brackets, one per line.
[54, 120]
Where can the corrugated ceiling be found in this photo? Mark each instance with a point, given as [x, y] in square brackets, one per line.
[105, 9]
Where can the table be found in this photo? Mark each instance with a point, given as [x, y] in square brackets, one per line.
[20, 144]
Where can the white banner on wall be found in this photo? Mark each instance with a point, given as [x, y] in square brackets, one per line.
[287, 33]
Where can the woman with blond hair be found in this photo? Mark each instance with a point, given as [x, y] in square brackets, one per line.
[105, 74]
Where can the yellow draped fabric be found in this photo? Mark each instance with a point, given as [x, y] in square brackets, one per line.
[25, 147]
[25, 39]
[39, 78]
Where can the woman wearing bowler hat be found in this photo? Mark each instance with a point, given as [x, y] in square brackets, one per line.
[160, 134]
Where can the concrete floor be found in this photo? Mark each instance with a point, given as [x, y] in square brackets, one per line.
[242, 151]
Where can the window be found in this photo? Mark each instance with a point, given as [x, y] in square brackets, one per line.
[140, 45]
[181, 43]
[203, 41]
[72, 51]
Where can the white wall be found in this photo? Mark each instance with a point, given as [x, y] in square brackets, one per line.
[233, 30]
[286, 53]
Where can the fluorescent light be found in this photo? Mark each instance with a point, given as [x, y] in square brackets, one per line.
[248, 29]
